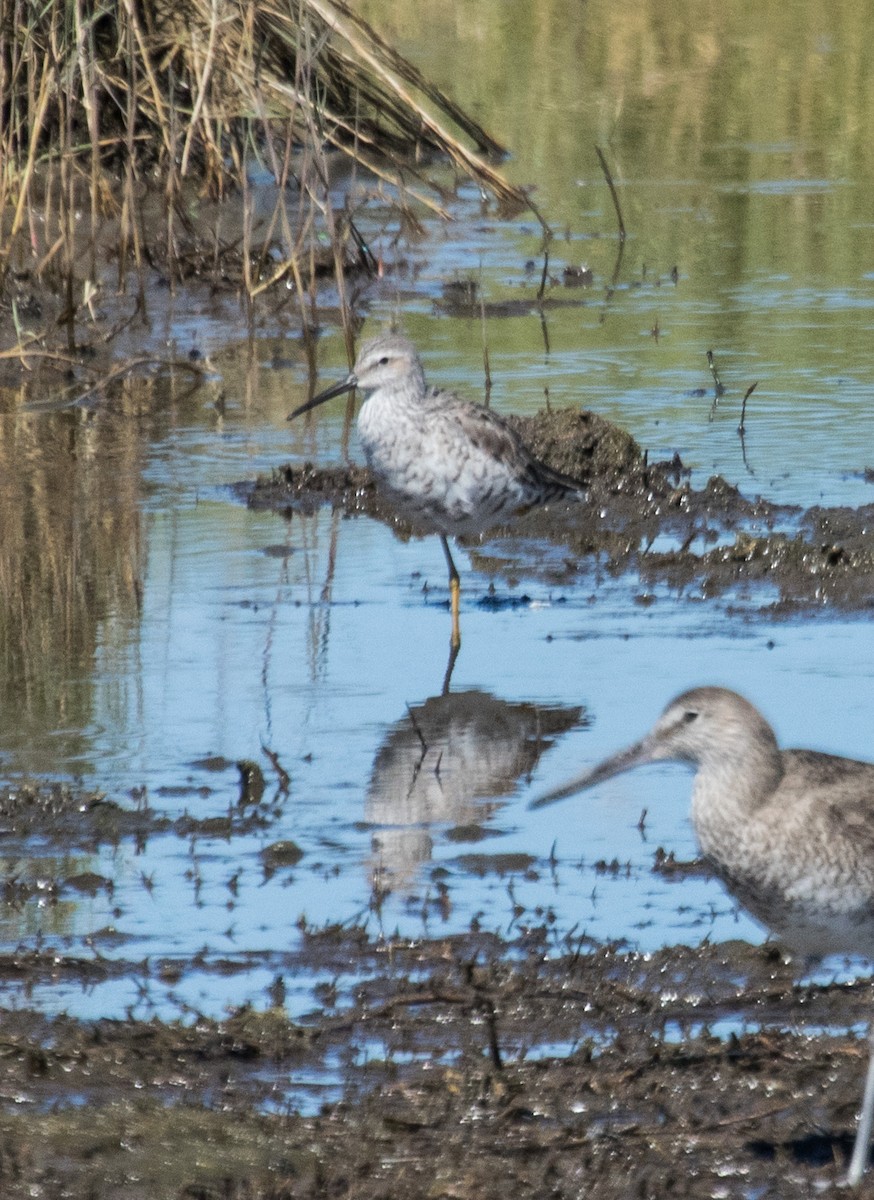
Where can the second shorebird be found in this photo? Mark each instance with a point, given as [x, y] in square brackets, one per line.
[447, 465]
[790, 832]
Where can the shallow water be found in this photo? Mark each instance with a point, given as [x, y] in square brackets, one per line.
[207, 632]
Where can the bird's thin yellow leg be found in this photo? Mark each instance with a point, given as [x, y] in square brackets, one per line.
[454, 606]
[454, 594]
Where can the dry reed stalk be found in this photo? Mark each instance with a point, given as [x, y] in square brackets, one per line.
[405, 70]
[144, 58]
[29, 164]
[203, 77]
[86, 63]
[333, 126]
[468, 162]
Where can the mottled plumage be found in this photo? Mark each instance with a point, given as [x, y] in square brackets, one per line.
[790, 832]
[447, 465]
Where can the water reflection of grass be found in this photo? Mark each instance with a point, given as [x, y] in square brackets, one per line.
[682, 95]
[71, 556]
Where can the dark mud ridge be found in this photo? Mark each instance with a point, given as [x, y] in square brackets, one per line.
[464, 1067]
[642, 517]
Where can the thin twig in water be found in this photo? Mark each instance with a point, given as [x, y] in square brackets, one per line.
[743, 408]
[743, 454]
[718, 389]
[545, 331]
[486, 367]
[617, 267]
[26, 347]
[620, 248]
[544, 274]
[284, 777]
[613, 194]
[69, 400]
[741, 429]
[711, 362]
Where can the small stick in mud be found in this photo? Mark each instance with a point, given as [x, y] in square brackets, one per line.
[283, 775]
[484, 1003]
[743, 408]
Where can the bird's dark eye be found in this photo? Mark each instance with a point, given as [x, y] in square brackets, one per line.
[384, 360]
[689, 716]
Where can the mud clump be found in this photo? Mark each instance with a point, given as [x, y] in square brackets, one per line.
[641, 517]
[584, 445]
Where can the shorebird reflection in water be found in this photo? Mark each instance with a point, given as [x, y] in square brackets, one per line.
[791, 832]
[452, 759]
[447, 465]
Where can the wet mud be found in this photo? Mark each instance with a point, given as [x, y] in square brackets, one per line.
[465, 1066]
[643, 518]
[468, 1065]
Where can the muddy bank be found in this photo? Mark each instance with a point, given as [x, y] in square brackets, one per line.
[464, 1066]
[644, 518]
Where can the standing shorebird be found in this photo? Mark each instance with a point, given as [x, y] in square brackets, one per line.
[447, 465]
[790, 832]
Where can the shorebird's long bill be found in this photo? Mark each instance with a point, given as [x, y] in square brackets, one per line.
[632, 756]
[345, 385]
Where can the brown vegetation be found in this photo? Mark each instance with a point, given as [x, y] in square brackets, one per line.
[123, 126]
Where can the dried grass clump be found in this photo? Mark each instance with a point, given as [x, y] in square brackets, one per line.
[106, 105]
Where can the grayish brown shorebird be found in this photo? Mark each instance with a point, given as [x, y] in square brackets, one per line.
[790, 832]
[448, 466]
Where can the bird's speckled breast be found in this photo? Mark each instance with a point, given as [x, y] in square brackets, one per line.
[436, 477]
[790, 877]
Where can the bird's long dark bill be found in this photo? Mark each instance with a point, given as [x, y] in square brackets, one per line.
[345, 385]
[632, 756]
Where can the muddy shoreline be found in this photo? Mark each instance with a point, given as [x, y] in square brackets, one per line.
[464, 1065]
[472, 1064]
[445, 1089]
